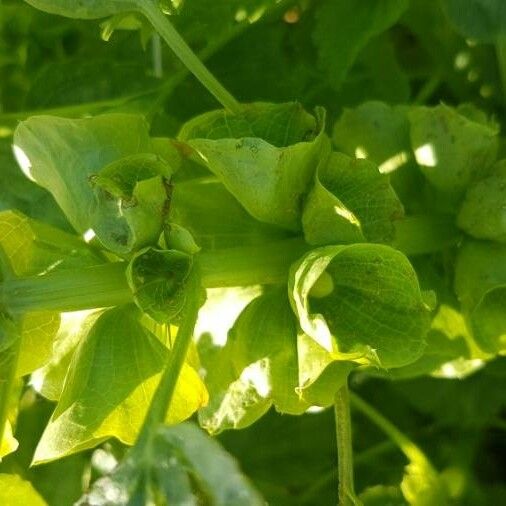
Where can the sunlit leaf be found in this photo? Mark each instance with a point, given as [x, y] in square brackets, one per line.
[109, 385]
[350, 202]
[64, 155]
[362, 301]
[265, 157]
[15, 491]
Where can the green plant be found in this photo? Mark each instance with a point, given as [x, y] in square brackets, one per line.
[357, 252]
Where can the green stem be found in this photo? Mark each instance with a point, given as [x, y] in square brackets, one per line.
[250, 265]
[410, 449]
[67, 290]
[106, 285]
[344, 447]
[165, 392]
[163, 26]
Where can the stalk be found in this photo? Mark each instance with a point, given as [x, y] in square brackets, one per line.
[250, 265]
[346, 489]
[106, 285]
[165, 391]
[67, 290]
[164, 27]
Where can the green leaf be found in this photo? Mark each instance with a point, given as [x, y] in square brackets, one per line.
[15, 491]
[451, 150]
[446, 345]
[480, 284]
[278, 124]
[480, 395]
[8, 443]
[266, 331]
[185, 466]
[483, 20]
[361, 301]
[23, 195]
[215, 218]
[132, 202]
[344, 27]
[158, 280]
[267, 362]
[29, 248]
[109, 386]
[49, 380]
[64, 156]
[265, 157]
[235, 400]
[321, 373]
[483, 212]
[350, 202]
[84, 9]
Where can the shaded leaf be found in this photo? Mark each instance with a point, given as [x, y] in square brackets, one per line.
[484, 20]
[451, 150]
[215, 218]
[344, 27]
[380, 133]
[483, 212]
[183, 467]
[480, 284]
[132, 202]
[158, 280]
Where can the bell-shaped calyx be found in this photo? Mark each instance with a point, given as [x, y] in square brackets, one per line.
[132, 200]
[265, 156]
[161, 281]
[361, 302]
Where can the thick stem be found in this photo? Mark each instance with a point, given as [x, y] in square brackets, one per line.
[163, 26]
[344, 447]
[67, 290]
[250, 265]
[106, 285]
[165, 391]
